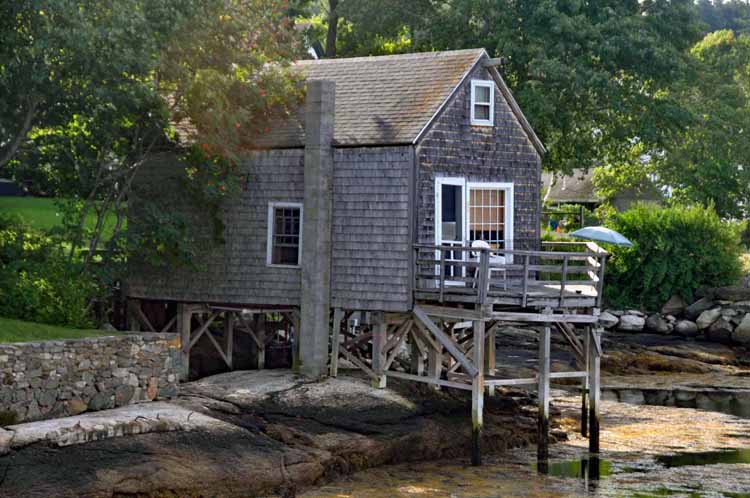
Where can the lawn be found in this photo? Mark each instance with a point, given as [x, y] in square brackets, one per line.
[20, 331]
[42, 213]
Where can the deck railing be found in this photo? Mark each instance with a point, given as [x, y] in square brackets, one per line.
[561, 272]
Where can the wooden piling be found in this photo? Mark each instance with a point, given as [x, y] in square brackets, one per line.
[544, 378]
[477, 393]
[229, 338]
[379, 338]
[338, 316]
[260, 331]
[489, 356]
[594, 388]
[184, 318]
[585, 385]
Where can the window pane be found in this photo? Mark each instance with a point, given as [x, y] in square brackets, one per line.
[285, 239]
[482, 94]
[482, 111]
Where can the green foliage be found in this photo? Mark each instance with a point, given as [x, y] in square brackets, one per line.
[38, 282]
[676, 250]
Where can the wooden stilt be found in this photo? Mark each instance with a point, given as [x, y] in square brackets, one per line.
[489, 357]
[260, 330]
[294, 317]
[134, 324]
[585, 385]
[417, 354]
[184, 318]
[338, 316]
[229, 338]
[544, 376]
[477, 393]
[379, 338]
[594, 389]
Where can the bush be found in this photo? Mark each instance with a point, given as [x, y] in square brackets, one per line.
[676, 250]
[37, 281]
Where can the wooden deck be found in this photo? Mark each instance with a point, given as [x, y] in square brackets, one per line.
[550, 278]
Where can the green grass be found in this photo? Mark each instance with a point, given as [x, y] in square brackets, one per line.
[19, 331]
[42, 213]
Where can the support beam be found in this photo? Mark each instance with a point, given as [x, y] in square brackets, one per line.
[379, 338]
[338, 316]
[315, 301]
[585, 384]
[477, 394]
[184, 318]
[543, 415]
[260, 330]
[594, 389]
[447, 342]
[489, 356]
[229, 338]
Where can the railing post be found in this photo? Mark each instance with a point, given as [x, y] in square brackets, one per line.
[442, 273]
[600, 283]
[563, 280]
[484, 274]
[525, 282]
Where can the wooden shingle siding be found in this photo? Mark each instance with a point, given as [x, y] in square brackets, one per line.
[501, 153]
[371, 237]
[235, 272]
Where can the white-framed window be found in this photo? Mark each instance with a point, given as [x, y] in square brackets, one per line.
[482, 103]
[284, 234]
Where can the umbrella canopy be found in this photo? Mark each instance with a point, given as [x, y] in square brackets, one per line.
[602, 234]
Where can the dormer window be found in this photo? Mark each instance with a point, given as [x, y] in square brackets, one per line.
[482, 103]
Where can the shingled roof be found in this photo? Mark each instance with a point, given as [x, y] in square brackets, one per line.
[380, 100]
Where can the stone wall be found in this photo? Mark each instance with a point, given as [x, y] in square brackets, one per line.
[42, 380]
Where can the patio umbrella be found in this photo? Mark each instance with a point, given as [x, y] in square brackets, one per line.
[602, 234]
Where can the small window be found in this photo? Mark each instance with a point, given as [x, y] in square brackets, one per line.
[284, 234]
[482, 103]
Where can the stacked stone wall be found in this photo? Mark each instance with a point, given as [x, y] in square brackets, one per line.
[50, 379]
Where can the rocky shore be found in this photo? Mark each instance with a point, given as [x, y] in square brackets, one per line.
[253, 433]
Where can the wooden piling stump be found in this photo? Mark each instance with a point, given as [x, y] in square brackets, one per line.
[544, 378]
[477, 393]
[594, 389]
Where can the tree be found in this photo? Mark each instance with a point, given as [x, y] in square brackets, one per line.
[709, 161]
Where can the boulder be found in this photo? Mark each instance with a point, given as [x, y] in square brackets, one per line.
[707, 318]
[686, 328]
[617, 313]
[720, 331]
[674, 306]
[742, 333]
[5, 439]
[631, 323]
[657, 324]
[75, 406]
[734, 293]
[636, 313]
[694, 310]
[608, 320]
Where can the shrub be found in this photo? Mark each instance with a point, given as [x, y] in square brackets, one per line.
[38, 282]
[676, 250]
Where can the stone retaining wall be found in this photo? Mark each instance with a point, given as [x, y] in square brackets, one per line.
[42, 380]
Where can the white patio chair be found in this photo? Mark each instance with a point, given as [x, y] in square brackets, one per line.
[494, 260]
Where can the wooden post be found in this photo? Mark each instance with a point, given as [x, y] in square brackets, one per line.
[379, 338]
[434, 363]
[594, 389]
[489, 357]
[134, 324]
[585, 384]
[295, 319]
[229, 337]
[477, 393]
[338, 315]
[260, 330]
[544, 376]
[184, 318]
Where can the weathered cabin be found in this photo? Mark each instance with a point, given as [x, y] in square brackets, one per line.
[368, 203]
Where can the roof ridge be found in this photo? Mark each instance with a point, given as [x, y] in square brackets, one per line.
[413, 55]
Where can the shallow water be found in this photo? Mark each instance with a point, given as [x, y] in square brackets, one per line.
[648, 452]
